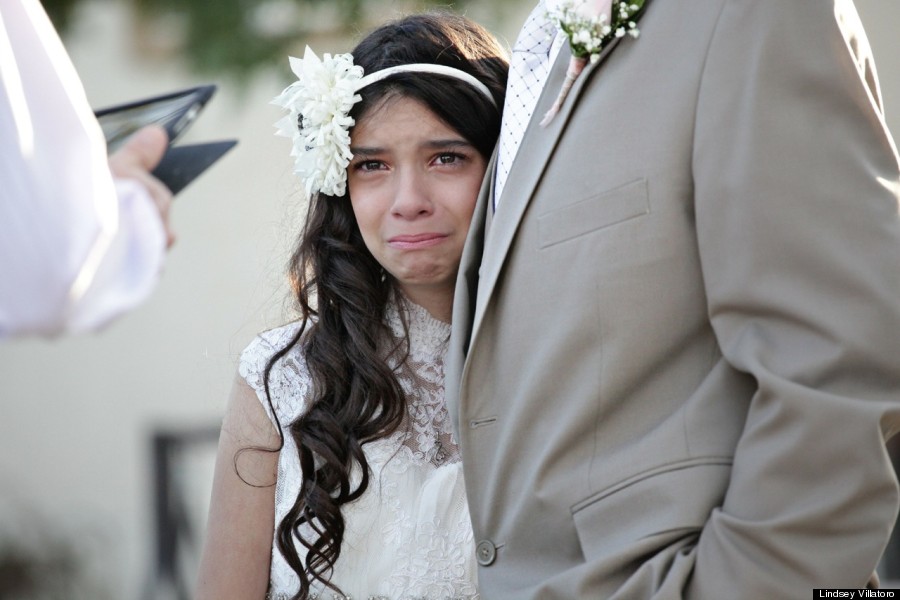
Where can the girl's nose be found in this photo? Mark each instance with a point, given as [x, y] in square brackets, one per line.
[411, 197]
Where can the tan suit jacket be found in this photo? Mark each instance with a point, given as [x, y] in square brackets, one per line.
[677, 343]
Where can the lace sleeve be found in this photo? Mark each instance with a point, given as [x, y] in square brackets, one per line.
[289, 381]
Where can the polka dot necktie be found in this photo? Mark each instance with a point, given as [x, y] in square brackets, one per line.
[527, 72]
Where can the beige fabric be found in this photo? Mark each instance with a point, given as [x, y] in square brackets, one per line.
[680, 356]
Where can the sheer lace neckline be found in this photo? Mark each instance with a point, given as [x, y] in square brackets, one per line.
[427, 335]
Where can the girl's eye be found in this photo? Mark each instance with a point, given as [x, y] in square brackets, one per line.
[449, 158]
[369, 165]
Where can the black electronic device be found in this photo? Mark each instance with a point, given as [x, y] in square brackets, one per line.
[175, 112]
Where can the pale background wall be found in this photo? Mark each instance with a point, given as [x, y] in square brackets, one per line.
[76, 414]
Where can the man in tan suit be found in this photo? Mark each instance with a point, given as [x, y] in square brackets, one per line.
[677, 328]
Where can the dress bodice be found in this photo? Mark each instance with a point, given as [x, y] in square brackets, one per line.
[409, 535]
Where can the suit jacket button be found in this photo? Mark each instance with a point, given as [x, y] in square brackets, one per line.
[485, 553]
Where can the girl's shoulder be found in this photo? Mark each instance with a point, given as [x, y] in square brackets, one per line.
[289, 379]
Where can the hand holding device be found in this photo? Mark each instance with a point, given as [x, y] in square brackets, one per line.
[135, 159]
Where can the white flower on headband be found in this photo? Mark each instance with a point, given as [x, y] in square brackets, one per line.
[318, 119]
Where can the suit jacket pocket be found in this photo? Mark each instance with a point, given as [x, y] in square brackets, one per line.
[670, 499]
[607, 208]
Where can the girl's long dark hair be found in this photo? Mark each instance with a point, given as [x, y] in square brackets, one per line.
[341, 291]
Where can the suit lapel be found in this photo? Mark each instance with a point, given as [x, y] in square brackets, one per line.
[525, 173]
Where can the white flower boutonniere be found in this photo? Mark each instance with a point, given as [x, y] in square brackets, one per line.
[590, 25]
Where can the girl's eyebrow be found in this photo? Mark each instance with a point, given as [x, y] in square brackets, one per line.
[452, 143]
[366, 151]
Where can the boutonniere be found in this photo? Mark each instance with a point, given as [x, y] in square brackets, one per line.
[590, 25]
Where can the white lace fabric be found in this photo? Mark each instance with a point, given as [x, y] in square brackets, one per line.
[409, 535]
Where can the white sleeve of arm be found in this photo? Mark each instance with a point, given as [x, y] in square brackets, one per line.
[77, 248]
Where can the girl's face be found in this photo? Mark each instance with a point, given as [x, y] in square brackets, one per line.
[413, 183]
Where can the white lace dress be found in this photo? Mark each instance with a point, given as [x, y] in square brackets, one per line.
[409, 536]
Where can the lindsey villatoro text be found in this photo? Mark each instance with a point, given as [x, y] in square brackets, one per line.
[850, 594]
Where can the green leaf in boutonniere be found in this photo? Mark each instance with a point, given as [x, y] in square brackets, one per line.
[590, 26]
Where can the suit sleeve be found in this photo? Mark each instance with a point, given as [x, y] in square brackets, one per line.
[797, 215]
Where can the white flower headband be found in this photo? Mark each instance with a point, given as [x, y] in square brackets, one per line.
[318, 120]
